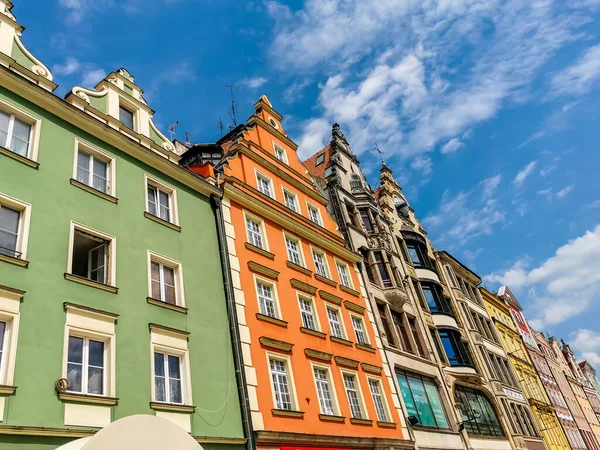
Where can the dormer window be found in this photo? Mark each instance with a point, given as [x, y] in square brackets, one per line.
[320, 159]
[126, 117]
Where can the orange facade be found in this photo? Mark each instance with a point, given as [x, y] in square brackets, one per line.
[303, 334]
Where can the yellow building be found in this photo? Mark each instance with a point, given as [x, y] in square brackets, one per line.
[506, 313]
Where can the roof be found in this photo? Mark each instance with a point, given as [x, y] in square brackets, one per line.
[376, 193]
[311, 163]
[444, 252]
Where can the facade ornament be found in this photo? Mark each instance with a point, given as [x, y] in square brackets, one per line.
[112, 79]
[85, 94]
[37, 66]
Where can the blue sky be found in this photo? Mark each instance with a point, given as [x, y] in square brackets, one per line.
[486, 110]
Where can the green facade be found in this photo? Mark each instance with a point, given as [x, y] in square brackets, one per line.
[39, 355]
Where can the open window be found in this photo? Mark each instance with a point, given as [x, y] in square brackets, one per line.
[91, 255]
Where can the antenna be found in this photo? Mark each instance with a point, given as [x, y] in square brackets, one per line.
[187, 139]
[220, 124]
[379, 151]
[234, 103]
[172, 127]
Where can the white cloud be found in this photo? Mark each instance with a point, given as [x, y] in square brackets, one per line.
[489, 185]
[422, 164]
[182, 72]
[92, 77]
[572, 273]
[534, 137]
[317, 133]
[451, 146]
[586, 343]
[69, 67]
[580, 77]
[524, 174]
[253, 83]
[564, 191]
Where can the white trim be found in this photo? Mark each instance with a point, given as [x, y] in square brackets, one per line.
[171, 344]
[310, 206]
[257, 174]
[314, 250]
[364, 328]
[112, 250]
[386, 407]
[24, 221]
[178, 274]
[132, 108]
[359, 393]
[269, 119]
[263, 229]
[149, 180]
[276, 146]
[290, 378]
[313, 304]
[292, 237]
[332, 387]
[111, 171]
[340, 317]
[296, 201]
[9, 313]
[347, 269]
[272, 284]
[34, 121]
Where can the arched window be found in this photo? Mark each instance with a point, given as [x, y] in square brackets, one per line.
[478, 414]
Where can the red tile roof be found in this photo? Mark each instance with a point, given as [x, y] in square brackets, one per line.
[310, 163]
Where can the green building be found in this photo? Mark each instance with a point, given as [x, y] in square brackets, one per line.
[111, 288]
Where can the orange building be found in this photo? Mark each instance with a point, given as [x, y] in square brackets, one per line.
[313, 361]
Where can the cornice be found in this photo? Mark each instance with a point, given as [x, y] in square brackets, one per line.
[287, 222]
[257, 120]
[80, 119]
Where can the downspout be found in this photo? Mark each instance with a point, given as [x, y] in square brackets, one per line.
[240, 374]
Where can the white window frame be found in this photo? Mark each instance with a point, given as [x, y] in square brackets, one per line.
[267, 178]
[284, 153]
[123, 103]
[175, 344]
[332, 388]
[383, 398]
[290, 378]
[263, 230]
[82, 323]
[273, 286]
[10, 302]
[112, 250]
[324, 255]
[346, 268]
[359, 393]
[364, 328]
[24, 222]
[85, 363]
[315, 313]
[295, 196]
[35, 123]
[340, 319]
[178, 274]
[309, 207]
[291, 237]
[170, 190]
[111, 171]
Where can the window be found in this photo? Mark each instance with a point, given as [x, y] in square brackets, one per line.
[15, 134]
[343, 274]
[280, 384]
[382, 268]
[290, 200]
[366, 220]
[422, 399]
[437, 302]
[14, 227]
[359, 330]
[385, 324]
[378, 400]
[436, 342]
[320, 264]
[451, 276]
[314, 215]
[266, 301]
[418, 254]
[320, 159]
[293, 250]
[478, 415]
[368, 267]
[419, 294]
[324, 394]
[255, 232]
[166, 279]
[352, 393]
[333, 315]
[279, 153]
[159, 203]
[457, 351]
[398, 319]
[167, 378]
[308, 314]
[85, 366]
[93, 171]
[264, 185]
[126, 117]
[412, 323]
[92, 255]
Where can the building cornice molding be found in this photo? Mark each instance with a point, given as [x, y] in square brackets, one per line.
[324, 440]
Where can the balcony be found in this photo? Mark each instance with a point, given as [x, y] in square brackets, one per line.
[395, 296]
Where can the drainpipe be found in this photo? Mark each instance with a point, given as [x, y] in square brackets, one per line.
[240, 374]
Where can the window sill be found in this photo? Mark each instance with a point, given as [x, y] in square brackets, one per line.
[365, 347]
[386, 424]
[7, 390]
[316, 333]
[156, 302]
[329, 418]
[258, 250]
[341, 341]
[273, 320]
[12, 260]
[325, 280]
[350, 291]
[96, 192]
[300, 269]
[366, 422]
[91, 399]
[167, 224]
[287, 413]
[22, 159]
[172, 407]
[91, 283]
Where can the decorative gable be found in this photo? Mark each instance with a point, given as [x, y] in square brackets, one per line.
[13, 53]
[119, 101]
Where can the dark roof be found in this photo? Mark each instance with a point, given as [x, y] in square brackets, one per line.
[460, 264]
[311, 163]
